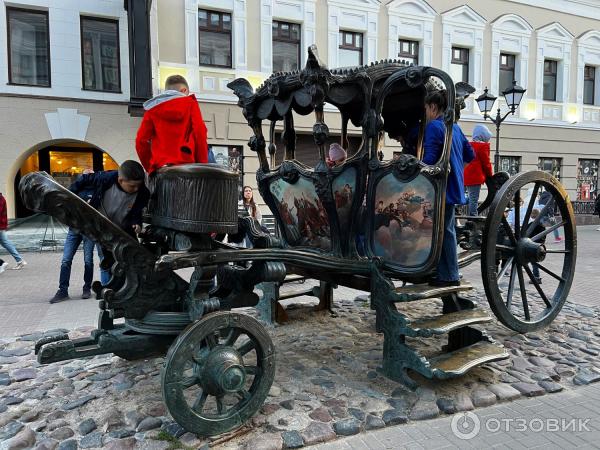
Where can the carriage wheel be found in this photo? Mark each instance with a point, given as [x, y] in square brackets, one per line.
[512, 252]
[218, 373]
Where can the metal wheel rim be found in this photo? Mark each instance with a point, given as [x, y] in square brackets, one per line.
[190, 346]
[489, 271]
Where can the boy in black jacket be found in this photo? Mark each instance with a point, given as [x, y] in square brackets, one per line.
[119, 195]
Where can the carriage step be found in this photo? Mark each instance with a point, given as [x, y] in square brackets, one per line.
[467, 257]
[458, 362]
[446, 322]
[293, 279]
[313, 292]
[423, 291]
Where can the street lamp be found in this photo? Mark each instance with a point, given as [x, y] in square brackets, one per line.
[485, 101]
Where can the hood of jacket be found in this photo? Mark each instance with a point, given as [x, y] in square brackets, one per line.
[176, 108]
[170, 94]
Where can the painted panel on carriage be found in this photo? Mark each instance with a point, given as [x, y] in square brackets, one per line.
[302, 213]
[403, 227]
[343, 188]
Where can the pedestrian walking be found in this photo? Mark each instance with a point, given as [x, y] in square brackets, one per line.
[478, 170]
[4, 241]
[549, 218]
[597, 208]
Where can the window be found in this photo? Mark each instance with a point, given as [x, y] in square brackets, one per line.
[100, 61]
[589, 82]
[351, 49]
[28, 47]
[214, 35]
[507, 72]
[550, 68]
[551, 165]
[409, 51]
[459, 64]
[587, 179]
[232, 158]
[286, 46]
[510, 164]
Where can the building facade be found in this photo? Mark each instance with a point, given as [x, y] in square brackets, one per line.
[76, 93]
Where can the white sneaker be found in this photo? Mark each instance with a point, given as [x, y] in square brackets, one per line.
[598, 229]
[20, 265]
[3, 267]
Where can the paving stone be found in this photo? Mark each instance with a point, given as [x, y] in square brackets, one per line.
[586, 376]
[317, 432]
[541, 362]
[23, 374]
[122, 433]
[373, 422]
[25, 439]
[15, 352]
[423, 410]
[292, 439]
[30, 415]
[11, 400]
[120, 444]
[5, 360]
[56, 424]
[529, 389]
[91, 440]
[320, 414]
[173, 428]
[46, 444]
[550, 386]
[347, 427]
[269, 408]
[579, 335]
[78, 402]
[520, 364]
[287, 404]
[482, 397]
[69, 444]
[149, 423]
[394, 417]
[266, 441]
[61, 434]
[359, 414]
[463, 402]
[504, 392]
[87, 426]
[10, 429]
[446, 405]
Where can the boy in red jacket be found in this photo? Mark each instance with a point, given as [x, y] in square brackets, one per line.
[172, 131]
[480, 168]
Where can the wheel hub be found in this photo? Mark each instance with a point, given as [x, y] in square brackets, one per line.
[529, 251]
[224, 371]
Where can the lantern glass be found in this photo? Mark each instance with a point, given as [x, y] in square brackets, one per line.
[485, 101]
[514, 95]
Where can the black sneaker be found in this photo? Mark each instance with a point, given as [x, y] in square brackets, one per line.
[59, 297]
[87, 293]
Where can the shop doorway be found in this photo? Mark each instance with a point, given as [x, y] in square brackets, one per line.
[65, 162]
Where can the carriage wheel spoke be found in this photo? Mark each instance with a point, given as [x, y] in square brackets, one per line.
[252, 370]
[517, 200]
[211, 340]
[505, 247]
[548, 230]
[566, 252]
[200, 401]
[243, 395]
[534, 194]
[549, 272]
[537, 286]
[511, 285]
[523, 292]
[505, 268]
[232, 336]
[509, 231]
[220, 405]
[246, 347]
[188, 381]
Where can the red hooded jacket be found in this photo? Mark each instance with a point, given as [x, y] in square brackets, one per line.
[172, 132]
[3, 214]
[480, 168]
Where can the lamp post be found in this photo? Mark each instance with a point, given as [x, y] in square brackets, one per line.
[485, 101]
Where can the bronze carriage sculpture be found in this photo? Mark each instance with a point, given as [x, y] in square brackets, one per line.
[219, 364]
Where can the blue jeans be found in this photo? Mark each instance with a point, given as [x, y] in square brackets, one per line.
[72, 243]
[447, 269]
[104, 274]
[10, 248]
[473, 192]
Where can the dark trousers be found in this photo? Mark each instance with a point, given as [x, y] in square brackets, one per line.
[72, 243]
[447, 269]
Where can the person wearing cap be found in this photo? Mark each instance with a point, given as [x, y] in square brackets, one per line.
[337, 155]
[478, 170]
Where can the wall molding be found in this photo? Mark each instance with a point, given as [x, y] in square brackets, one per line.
[411, 19]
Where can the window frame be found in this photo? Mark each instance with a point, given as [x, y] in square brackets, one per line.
[8, 44]
[286, 40]
[402, 54]
[353, 47]
[595, 164]
[593, 80]
[462, 62]
[221, 30]
[517, 159]
[100, 19]
[553, 63]
[507, 67]
[559, 165]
